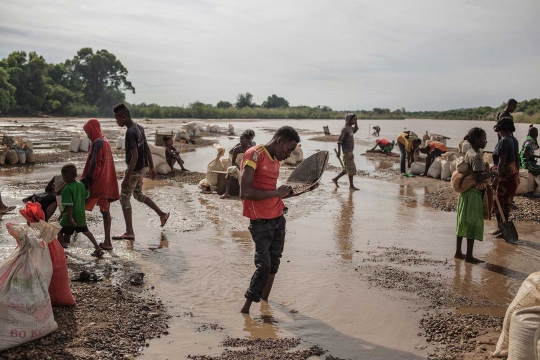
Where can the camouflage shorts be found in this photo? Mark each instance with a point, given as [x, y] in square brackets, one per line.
[135, 188]
[348, 162]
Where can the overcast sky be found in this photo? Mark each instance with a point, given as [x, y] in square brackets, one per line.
[421, 55]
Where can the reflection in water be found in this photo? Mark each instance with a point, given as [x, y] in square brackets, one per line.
[382, 165]
[262, 327]
[343, 230]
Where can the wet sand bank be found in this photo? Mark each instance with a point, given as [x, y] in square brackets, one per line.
[368, 274]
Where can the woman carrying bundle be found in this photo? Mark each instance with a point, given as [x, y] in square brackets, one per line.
[470, 209]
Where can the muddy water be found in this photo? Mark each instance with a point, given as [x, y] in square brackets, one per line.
[201, 263]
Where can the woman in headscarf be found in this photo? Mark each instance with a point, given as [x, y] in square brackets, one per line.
[527, 156]
[506, 160]
[99, 175]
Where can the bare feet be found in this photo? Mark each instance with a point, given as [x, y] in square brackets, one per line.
[164, 219]
[473, 260]
[459, 256]
[352, 188]
[225, 196]
[496, 232]
[247, 305]
[335, 182]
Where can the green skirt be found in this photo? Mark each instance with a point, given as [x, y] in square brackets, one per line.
[470, 215]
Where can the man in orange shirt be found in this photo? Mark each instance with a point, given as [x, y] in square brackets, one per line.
[433, 150]
[263, 205]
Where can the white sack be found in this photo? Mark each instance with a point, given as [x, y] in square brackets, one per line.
[527, 296]
[25, 276]
[523, 326]
[85, 144]
[163, 169]
[158, 160]
[435, 169]
[157, 150]
[445, 170]
[75, 144]
[418, 168]
[215, 165]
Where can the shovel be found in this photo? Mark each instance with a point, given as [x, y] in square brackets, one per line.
[341, 162]
[508, 230]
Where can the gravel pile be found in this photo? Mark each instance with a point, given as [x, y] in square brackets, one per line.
[429, 286]
[325, 138]
[380, 156]
[108, 322]
[457, 334]
[525, 209]
[402, 256]
[278, 349]
[189, 177]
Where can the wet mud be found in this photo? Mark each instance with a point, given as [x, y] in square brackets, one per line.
[366, 274]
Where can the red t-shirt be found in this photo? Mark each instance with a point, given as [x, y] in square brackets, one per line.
[265, 178]
[383, 142]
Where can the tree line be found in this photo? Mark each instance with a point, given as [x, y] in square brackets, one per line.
[91, 83]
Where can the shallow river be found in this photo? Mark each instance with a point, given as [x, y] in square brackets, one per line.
[202, 261]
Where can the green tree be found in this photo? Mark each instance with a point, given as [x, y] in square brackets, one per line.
[7, 92]
[98, 74]
[224, 105]
[275, 102]
[28, 74]
[244, 100]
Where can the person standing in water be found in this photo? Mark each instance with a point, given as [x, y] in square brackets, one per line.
[346, 141]
[139, 162]
[262, 203]
[99, 176]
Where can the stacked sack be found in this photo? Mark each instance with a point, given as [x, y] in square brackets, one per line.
[297, 155]
[79, 143]
[159, 159]
[211, 180]
[193, 129]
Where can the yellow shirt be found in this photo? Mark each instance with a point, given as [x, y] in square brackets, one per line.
[408, 143]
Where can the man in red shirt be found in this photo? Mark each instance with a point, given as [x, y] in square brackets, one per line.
[385, 145]
[263, 205]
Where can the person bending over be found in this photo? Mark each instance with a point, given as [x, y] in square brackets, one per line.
[408, 142]
[385, 145]
[433, 151]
